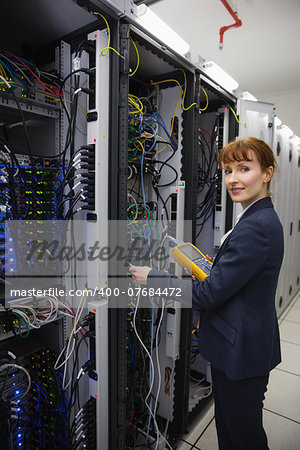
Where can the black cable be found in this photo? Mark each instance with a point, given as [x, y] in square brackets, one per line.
[24, 126]
[68, 138]
[164, 163]
[74, 383]
[207, 172]
[162, 200]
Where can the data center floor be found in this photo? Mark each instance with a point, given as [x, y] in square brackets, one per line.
[282, 403]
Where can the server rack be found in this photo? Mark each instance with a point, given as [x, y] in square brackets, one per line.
[52, 48]
[117, 167]
[216, 126]
[158, 61]
[157, 65]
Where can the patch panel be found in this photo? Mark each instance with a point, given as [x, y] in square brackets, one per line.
[30, 195]
[35, 94]
[40, 414]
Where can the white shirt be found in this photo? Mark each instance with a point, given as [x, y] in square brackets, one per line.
[238, 218]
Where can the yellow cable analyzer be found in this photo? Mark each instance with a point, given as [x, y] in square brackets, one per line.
[187, 255]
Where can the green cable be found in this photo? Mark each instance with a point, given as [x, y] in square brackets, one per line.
[7, 69]
[184, 93]
[137, 57]
[23, 336]
[235, 116]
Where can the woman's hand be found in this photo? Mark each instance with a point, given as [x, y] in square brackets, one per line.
[140, 274]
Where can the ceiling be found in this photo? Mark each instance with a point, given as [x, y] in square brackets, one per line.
[262, 55]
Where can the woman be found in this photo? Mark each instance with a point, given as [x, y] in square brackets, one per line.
[238, 328]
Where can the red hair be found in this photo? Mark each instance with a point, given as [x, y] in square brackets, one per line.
[239, 151]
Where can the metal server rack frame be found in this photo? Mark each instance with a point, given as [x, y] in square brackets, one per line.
[218, 97]
[118, 212]
[189, 139]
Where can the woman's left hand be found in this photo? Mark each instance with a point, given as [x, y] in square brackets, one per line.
[140, 274]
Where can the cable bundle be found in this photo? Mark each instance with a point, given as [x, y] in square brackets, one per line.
[144, 123]
[81, 171]
[32, 313]
[21, 74]
[143, 336]
[207, 176]
[84, 427]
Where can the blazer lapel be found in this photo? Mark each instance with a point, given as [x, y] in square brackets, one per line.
[222, 249]
[265, 202]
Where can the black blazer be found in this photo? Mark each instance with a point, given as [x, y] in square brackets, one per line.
[238, 330]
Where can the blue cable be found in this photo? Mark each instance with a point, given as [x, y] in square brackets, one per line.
[141, 125]
[162, 124]
[151, 148]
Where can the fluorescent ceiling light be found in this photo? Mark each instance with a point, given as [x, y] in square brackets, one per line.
[248, 96]
[286, 130]
[161, 30]
[277, 121]
[296, 139]
[220, 76]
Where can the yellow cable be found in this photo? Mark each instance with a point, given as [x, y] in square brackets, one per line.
[108, 30]
[58, 99]
[138, 105]
[184, 92]
[80, 109]
[104, 51]
[205, 107]
[197, 327]
[143, 148]
[167, 81]
[2, 71]
[137, 56]
[110, 48]
[235, 116]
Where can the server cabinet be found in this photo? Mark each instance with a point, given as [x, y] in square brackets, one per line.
[140, 124]
[160, 152]
[284, 196]
[257, 120]
[215, 128]
[61, 138]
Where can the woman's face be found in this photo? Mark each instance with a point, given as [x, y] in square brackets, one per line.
[246, 181]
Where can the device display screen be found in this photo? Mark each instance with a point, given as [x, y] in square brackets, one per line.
[190, 252]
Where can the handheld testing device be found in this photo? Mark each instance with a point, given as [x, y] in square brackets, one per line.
[187, 255]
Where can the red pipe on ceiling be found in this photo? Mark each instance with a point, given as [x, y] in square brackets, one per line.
[238, 22]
